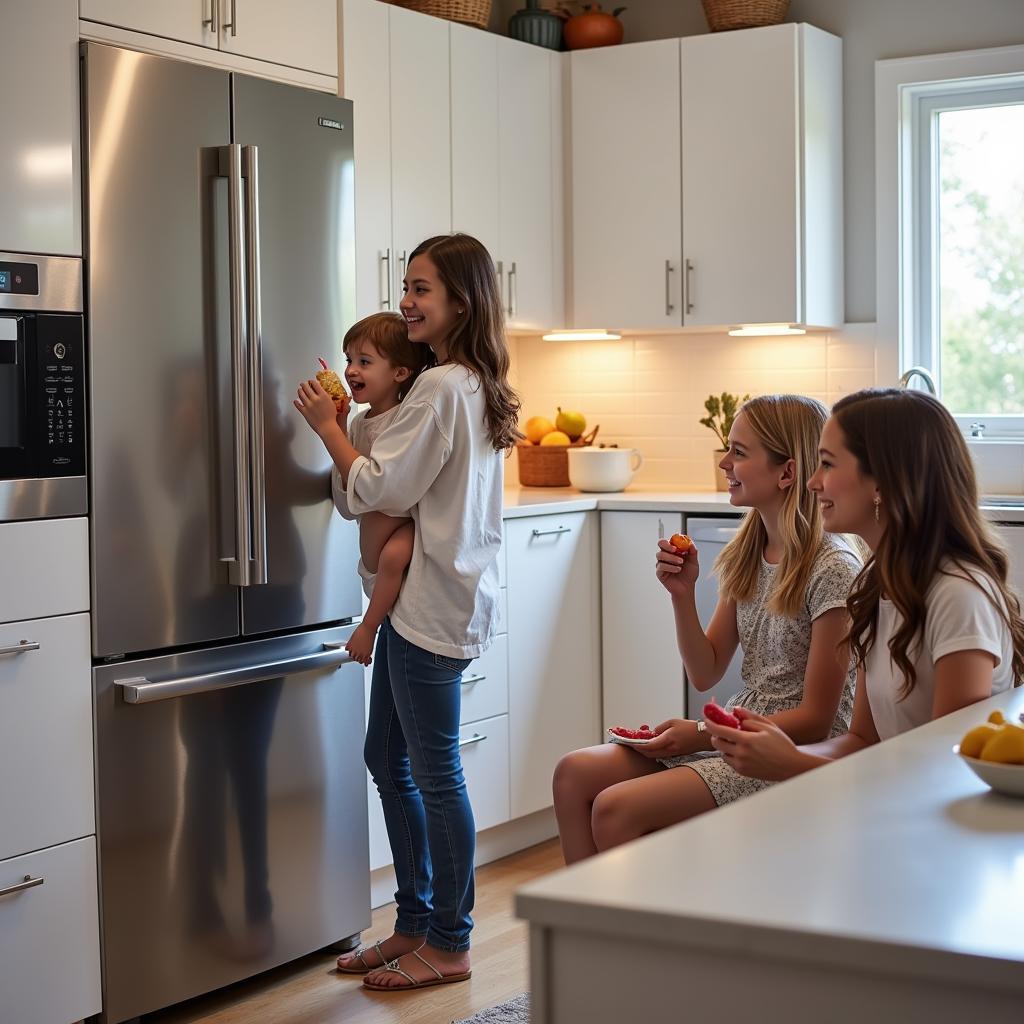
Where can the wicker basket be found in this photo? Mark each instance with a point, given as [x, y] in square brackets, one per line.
[729, 14]
[543, 465]
[468, 12]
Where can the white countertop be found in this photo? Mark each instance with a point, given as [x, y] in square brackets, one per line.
[897, 858]
[533, 501]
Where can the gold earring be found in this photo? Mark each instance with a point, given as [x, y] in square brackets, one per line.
[878, 505]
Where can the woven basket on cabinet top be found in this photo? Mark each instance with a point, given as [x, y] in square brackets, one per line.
[468, 12]
[729, 14]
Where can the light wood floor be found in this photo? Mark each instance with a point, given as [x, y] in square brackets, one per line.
[311, 991]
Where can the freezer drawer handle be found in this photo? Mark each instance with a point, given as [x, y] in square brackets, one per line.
[20, 648]
[470, 680]
[477, 737]
[546, 533]
[140, 690]
[28, 883]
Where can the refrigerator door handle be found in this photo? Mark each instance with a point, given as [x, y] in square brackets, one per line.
[258, 498]
[140, 690]
[239, 567]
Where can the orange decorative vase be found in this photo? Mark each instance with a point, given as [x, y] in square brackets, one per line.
[593, 28]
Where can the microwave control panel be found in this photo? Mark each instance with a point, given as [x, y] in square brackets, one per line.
[60, 398]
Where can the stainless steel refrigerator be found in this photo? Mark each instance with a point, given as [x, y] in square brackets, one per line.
[229, 720]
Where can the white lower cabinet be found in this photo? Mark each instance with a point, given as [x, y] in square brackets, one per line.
[49, 558]
[45, 733]
[642, 671]
[484, 748]
[49, 935]
[554, 660]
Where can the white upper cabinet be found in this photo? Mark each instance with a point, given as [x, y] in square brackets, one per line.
[40, 196]
[421, 159]
[506, 167]
[366, 64]
[707, 181]
[529, 91]
[625, 214]
[300, 33]
[476, 173]
[762, 177]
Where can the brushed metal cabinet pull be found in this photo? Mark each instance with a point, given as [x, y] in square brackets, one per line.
[232, 24]
[20, 648]
[547, 533]
[28, 883]
[386, 260]
[470, 680]
[668, 288]
[689, 286]
[212, 19]
[513, 291]
[477, 737]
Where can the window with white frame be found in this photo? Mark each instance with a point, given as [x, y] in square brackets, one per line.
[958, 231]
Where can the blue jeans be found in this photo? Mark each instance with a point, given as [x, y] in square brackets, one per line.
[412, 751]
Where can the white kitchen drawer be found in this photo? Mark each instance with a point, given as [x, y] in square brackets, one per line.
[49, 936]
[485, 683]
[45, 734]
[45, 568]
[484, 748]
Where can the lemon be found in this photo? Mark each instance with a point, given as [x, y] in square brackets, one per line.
[556, 437]
[975, 739]
[1006, 746]
[570, 423]
[996, 718]
[537, 427]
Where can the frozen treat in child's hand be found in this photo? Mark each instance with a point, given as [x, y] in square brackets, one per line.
[643, 733]
[331, 383]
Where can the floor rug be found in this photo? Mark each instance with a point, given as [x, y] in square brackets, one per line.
[515, 1011]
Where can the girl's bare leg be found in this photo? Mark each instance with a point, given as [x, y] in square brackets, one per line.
[635, 807]
[580, 777]
[391, 565]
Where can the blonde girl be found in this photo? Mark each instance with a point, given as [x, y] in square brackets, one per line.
[783, 589]
[442, 460]
[934, 625]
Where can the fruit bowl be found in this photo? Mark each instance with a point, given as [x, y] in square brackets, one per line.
[1007, 779]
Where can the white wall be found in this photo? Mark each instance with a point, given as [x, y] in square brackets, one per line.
[871, 30]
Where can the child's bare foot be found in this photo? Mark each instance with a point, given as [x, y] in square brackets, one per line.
[375, 956]
[423, 967]
[360, 644]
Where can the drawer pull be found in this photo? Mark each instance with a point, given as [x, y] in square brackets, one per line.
[28, 883]
[470, 680]
[557, 529]
[477, 737]
[20, 648]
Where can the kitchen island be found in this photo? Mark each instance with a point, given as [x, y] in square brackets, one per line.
[887, 886]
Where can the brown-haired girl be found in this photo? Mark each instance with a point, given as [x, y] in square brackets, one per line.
[934, 625]
[783, 590]
[442, 458]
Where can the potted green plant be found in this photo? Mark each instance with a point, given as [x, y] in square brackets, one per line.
[721, 411]
[590, 25]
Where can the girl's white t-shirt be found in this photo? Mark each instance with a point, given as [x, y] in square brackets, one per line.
[959, 616]
[435, 463]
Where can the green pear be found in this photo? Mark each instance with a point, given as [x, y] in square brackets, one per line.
[571, 423]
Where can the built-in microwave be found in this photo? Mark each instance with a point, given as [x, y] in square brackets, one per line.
[42, 388]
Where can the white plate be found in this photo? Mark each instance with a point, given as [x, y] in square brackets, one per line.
[625, 740]
[1007, 779]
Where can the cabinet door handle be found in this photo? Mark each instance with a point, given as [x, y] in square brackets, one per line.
[212, 19]
[234, 18]
[30, 882]
[386, 260]
[500, 271]
[557, 529]
[20, 648]
[689, 286]
[477, 737]
[470, 680]
[668, 288]
[513, 291]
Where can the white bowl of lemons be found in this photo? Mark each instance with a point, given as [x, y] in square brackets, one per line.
[994, 751]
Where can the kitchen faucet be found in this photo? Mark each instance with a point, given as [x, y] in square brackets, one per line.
[918, 371]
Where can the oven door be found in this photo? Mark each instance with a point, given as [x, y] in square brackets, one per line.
[15, 449]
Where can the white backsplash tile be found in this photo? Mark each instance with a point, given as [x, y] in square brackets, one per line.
[648, 393]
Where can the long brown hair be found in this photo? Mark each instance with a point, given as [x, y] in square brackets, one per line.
[478, 339]
[910, 445]
[789, 427]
